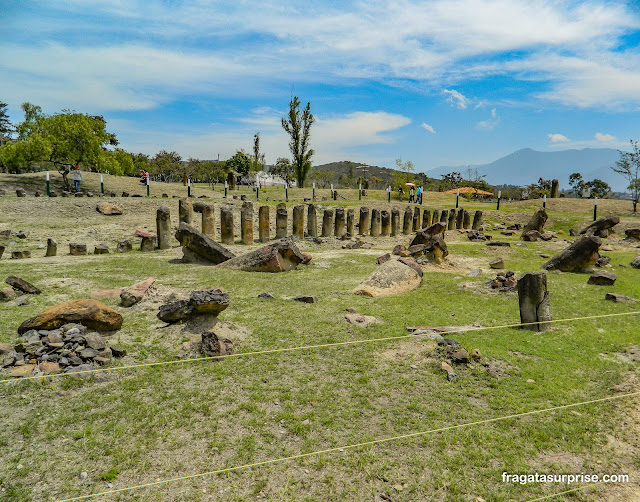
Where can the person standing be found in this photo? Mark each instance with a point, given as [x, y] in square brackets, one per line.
[411, 192]
[419, 195]
[77, 177]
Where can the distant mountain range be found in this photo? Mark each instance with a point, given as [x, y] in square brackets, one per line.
[526, 166]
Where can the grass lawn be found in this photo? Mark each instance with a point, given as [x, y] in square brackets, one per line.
[140, 426]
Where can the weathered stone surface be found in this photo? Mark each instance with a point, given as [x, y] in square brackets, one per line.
[91, 313]
[297, 223]
[616, 298]
[312, 221]
[163, 227]
[22, 234]
[340, 224]
[635, 263]
[632, 233]
[536, 222]
[360, 319]
[350, 221]
[390, 278]
[407, 220]
[108, 209]
[52, 248]
[280, 256]
[21, 193]
[383, 258]
[185, 211]
[124, 246]
[101, 249]
[416, 222]
[547, 236]
[327, 223]
[226, 225]
[281, 220]
[579, 256]
[148, 244]
[599, 226]
[364, 223]
[212, 346]
[376, 223]
[477, 220]
[208, 221]
[20, 255]
[305, 299]
[22, 285]
[26, 370]
[385, 223]
[7, 294]
[497, 263]
[426, 218]
[477, 235]
[202, 245]
[246, 223]
[531, 236]
[425, 235]
[602, 278]
[106, 293]
[395, 221]
[77, 249]
[533, 299]
[264, 226]
[117, 351]
[411, 262]
[132, 295]
[209, 301]
[95, 341]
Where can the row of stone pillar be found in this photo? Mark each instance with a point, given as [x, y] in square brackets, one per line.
[335, 221]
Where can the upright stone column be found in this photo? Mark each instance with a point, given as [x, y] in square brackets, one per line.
[327, 223]
[385, 219]
[375, 223]
[148, 243]
[555, 188]
[365, 221]
[208, 221]
[226, 225]
[263, 223]
[466, 220]
[246, 222]
[312, 221]
[451, 223]
[298, 221]
[416, 219]
[163, 227]
[340, 223]
[52, 248]
[460, 219]
[477, 220]
[436, 216]
[350, 221]
[185, 211]
[407, 221]
[533, 299]
[395, 221]
[444, 216]
[281, 220]
[426, 218]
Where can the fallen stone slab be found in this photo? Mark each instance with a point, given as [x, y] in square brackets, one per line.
[602, 278]
[132, 295]
[616, 298]
[108, 209]
[305, 299]
[424, 236]
[142, 233]
[281, 256]
[390, 278]
[632, 233]
[20, 255]
[579, 256]
[498, 243]
[202, 245]
[600, 227]
[208, 301]
[91, 313]
[22, 285]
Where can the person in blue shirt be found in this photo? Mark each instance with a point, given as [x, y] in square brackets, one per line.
[419, 195]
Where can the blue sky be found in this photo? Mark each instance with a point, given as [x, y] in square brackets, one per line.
[437, 82]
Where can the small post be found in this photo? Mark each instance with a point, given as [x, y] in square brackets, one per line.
[313, 191]
[101, 184]
[257, 192]
[332, 190]
[286, 191]
[499, 195]
[148, 186]
[457, 197]
[544, 201]
[389, 193]
[595, 209]
[226, 187]
[49, 185]
[189, 187]
[360, 191]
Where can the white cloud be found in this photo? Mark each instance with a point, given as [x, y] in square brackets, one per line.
[604, 138]
[455, 98]
[491, 123]
[558, 138]
[428, 128]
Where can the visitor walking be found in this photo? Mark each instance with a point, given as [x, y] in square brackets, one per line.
[419, 195]
[77, 177]
[411, 194]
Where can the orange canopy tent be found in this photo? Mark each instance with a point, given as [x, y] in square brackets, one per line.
[469, 190]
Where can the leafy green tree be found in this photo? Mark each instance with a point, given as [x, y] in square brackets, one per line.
[258, 159]
[451, 180]
[576, 183]
[284, 169]
[322, 177]
[629, 167]
[6, 128]
[239, 163]
[62, 140]
[597, 188]
[167, 165]
[298, 127]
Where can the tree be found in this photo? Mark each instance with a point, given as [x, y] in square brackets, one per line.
[239, 163]
[629, 167]
[62, 140]
[167, 165]
[577, 183]
[298, 127]
[322, 177]
[451, 180]
[258, 159]
[6, 128]
[283, 168]
[597, 188]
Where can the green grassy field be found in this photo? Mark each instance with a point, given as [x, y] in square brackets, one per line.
[145, 425]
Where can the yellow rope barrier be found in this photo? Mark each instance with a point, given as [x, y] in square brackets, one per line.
[350, 446]
[303, 347]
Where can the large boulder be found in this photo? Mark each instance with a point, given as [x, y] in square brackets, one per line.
[632, 233]
[601, 226]
[202, 245]
[90, 313]
[536, 222]
[280, 256]
[578, 257]
[424, 236]
[108, 209]
[635, 263]
[207, 301]
[390, 278]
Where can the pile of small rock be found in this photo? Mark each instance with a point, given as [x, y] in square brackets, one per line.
[66, 349]
[505, 281]
[476, 235]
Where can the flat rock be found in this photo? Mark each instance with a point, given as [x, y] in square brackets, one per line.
[49, 368]
[305, 299]
[132, 295]
[281, 256]
[108, 209]
[209, 301]
[616, 298]
[265, 296]
[106, 293]
[95, 341]
[498, 263]
[202, 245]
[22, 285]
[91, 313]
[7, 294]
[602, 278]
[26, 370]
[390, 278]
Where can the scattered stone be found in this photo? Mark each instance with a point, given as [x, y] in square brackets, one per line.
[148, 244]
[390, 278]
[498, 263]
[141, 233]
[475, 272]
[49, 368]
[398, 249]
[212, 346]
[202, 245]
[132, 295]
[7, 294]
[22, 234]
[616, 298]
[77, 249]
[25, 370]
[508, 233]
[360, 319]
[602, 278]
[635, 263]
[52, 248]
[530, 380]
[95, 341]
[573, 232]
[530, 236]
[266, 296]
[603, 261]
[91, 313]
[208, 301]
[108, 209]
[20, 255]
[22, 285]
[579, 256]
[124, 246]
[451, 375]
[477, 235]
[21, 193]
[498, 243]
[101, 249]
[632, 233]
[384, 258]
[475, 354]
[459, 356]
[281, 256]
[547, 236]
[506, 281]
[305, 299]
[601, 226]
[117, 351]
